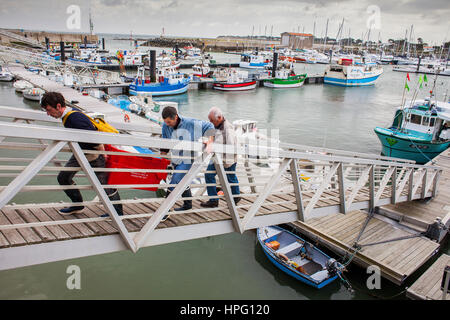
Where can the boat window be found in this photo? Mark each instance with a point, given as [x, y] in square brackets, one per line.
[432, 122]
[425, 121]
[416, 119]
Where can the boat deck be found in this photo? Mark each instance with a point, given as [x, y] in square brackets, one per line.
[428, 286]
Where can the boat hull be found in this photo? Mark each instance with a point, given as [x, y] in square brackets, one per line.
[351, 82]
[6, 78]
[32, 97]
[235, 86]
[420, 151]
[284, 83]
[159, 90]
[248, 65]
[297, 275]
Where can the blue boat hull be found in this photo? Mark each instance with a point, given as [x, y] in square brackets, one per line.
[158, 90]
[297, 276]
[291, 272]
[412, 149]
[351, 82]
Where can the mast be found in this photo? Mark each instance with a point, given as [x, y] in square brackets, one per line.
[325, 38]
[91, 24]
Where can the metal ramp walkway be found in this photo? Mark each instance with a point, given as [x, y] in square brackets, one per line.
[17, 37]
[301, 183]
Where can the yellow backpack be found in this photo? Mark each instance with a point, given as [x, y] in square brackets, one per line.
[99, 123]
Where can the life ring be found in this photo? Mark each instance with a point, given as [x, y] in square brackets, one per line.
[95, 73]
[126, 117]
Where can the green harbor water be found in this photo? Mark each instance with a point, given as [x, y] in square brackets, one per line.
[232, 266]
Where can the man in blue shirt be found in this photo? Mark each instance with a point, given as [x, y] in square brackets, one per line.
[181, 128]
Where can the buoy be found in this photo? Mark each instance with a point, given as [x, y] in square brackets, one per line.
[126, 118]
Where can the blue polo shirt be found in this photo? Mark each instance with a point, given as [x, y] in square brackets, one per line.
[188, 129]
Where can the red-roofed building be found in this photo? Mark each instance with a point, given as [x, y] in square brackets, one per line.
[295, 40]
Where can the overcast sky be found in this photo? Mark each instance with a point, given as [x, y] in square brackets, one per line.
[210, 18]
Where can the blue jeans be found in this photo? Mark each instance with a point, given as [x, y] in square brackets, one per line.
[211, 178]
[178, 176]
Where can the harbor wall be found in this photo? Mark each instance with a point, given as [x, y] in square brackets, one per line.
[53, 36]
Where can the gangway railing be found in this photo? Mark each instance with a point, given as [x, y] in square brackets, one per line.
[85, 74]
[29, 149]
[20, 38]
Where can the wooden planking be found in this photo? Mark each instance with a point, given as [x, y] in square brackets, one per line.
[398, 258]
[28, 234]
[78, 230]
[428, 286]
[13, 236]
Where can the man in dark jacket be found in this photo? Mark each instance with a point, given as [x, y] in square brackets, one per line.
[54, 105]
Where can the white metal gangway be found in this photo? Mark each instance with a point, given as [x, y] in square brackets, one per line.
[83, 73]
[32, 154]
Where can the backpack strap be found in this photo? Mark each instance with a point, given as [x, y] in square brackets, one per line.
[64, 119]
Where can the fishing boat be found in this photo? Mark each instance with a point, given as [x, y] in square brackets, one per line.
[297, 257]
[21, 85]
[236, 81]
[170, 82]
[5, 74]
[202, 70]
[352, 73]
[253, 61]
[418, 132]
[34, 94]
[285, 77]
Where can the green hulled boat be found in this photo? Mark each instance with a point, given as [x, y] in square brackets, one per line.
[285, 78]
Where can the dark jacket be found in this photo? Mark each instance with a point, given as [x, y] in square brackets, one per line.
[78, 120]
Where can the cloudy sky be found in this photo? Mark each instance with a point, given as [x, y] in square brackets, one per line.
[210, 18]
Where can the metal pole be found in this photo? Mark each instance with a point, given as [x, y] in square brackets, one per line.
[61, 48]
[152, 66]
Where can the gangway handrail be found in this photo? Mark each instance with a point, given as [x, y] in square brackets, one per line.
[35, 115]
[19, 130]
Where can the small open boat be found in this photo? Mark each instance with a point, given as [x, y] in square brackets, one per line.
[298, 258]
[34, 94]
[21, 85]
[5, 74]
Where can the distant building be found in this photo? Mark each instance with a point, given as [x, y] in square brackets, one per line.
[297, 40]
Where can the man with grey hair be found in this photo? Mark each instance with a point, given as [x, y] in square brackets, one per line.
[224, 134]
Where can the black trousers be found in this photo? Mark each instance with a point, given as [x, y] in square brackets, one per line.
[66, 178]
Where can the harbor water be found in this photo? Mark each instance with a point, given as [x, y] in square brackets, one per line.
[233, 266]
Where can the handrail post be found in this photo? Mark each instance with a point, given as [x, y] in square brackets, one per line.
[424, 184]
[394, 186]
[297, 189]
[221, 173]
[341, 177]
[84, 164]
[372, 187]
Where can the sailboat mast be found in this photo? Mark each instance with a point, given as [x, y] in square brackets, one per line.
[325, 38]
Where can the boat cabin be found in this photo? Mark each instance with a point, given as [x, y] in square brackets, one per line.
[423, 120]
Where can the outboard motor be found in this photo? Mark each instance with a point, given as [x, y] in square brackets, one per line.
[332, 266]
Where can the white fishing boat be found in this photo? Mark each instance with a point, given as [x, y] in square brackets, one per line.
[34, 94]
[351, 73]
[236, 80]
[5, 74]
[253, 61]
[21, 85]
[201, 70]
